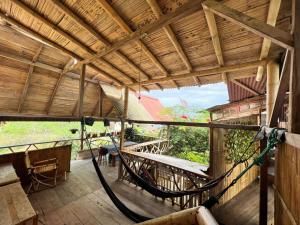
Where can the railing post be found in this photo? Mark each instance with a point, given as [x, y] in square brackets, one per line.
[263, 195]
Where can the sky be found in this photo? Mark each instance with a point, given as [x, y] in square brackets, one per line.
[202, 97]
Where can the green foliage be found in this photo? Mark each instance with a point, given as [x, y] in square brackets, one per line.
[199, 157]
[185, 139]
[237, 143]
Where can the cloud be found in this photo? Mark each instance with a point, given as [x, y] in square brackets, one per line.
[203, 97]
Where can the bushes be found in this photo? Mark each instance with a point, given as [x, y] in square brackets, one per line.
[190, 143]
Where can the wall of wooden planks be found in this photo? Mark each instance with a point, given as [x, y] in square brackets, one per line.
[219, 166]
[62, 153]
[287, 182]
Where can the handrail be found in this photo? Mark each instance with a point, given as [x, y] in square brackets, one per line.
[195, 124]
[37, 143]
[171, 123]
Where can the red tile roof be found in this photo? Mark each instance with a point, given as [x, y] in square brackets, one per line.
[154, 108]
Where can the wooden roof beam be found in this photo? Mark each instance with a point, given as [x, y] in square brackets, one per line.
[187, 9]
[213, 30]
[32, 34]
[265, 48]
[28, 79]
[213, 71]
[100, 38]
[172, 36]
[43, 66]
[117, 18]
[278, 36]
[59, 31]
[57, 84]
[238, 83]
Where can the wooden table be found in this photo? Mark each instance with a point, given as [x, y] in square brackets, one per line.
[7, 174]
[113, 151]
[15, 207]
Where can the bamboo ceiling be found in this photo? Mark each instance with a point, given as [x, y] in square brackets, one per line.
[43, 43]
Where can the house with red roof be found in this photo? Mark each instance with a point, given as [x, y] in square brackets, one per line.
[154, 107]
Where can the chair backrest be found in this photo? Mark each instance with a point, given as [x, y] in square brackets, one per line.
[27, 160]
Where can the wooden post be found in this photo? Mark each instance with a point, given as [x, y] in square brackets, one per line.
[101, 97]
[124, 118]
[263, 194]
[294, 106]
[80, 108]
[272, 87]
[211, 148]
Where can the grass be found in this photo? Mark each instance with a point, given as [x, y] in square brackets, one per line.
[13, 133]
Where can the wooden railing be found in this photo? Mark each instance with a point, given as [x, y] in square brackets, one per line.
[156, 146]
[167, 176]
[36, 145]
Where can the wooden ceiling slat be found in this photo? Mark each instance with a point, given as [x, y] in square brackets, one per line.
[172, 36]
[117, 18]
[60, 32]
[42, 39]
[182, 12]
[102, 39]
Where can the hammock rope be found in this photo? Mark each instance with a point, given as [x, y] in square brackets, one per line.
[152, 189]
[135, 217]
[273, 139]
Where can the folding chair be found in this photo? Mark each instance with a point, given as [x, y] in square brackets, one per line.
[41, 173]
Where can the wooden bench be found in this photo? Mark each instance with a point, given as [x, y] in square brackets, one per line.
[7, 174]
[15, 207]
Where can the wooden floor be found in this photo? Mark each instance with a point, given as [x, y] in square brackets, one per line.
[81, 199]
[243, 209]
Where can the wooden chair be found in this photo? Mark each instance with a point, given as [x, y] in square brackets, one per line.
[41, 173]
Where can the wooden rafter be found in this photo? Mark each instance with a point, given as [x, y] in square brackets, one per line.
[172, 36]
[256, 26]
[100, 38]
[265, 48]
[238, 83]
[43, 66]
[28, 79]
[214, 34]
[30, 33]
[109, 111]
[57, 84]
[117, 18]
[65, 35]
[187, 9]
[218, 70]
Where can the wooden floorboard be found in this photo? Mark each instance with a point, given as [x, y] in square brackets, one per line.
[243, 209]
[81, 200]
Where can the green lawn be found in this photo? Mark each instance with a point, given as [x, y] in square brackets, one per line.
[13, 133]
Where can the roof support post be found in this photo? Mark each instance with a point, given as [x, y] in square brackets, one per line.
[282, 89]
[124, 118]
[81, 90]
[272, 87]
[80, 108]
[294, 122]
